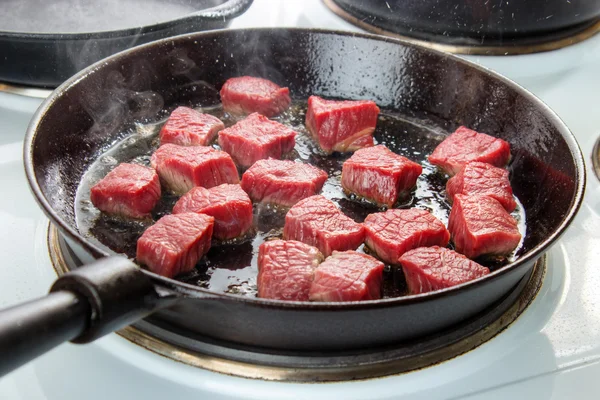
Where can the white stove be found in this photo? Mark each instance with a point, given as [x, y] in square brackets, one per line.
[552, 351]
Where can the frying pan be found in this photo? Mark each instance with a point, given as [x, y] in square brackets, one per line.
[81, 119]
[45, 42]
[474, 22]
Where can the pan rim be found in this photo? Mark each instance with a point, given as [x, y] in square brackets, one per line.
[195, 291]
[227, 10]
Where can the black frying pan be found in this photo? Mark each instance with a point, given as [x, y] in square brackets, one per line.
[101, 105]
[45, 42]
[476, 22]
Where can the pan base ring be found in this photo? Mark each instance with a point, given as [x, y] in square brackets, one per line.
[253, 363]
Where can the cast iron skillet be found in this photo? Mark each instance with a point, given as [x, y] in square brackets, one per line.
[476, 22]
[81, 119]
[45, 42]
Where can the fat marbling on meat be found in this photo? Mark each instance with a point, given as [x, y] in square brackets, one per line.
[347, 276]
[318, 222]
[175, 243]
[482, 178]
[433, 268]
[188, 127]
[182, 167]
[479, 225]
[342, 126]
[466, 145]
[246, 94]
[286, 269]
[228, 204]
[282, 182]
[129, 190]
[392, 233]
[378, 174]
[255, 138]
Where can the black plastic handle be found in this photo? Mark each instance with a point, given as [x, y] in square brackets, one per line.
[31, 329]
[83, 305]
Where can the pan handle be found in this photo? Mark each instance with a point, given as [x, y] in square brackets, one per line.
[83, 305]
[228, 10]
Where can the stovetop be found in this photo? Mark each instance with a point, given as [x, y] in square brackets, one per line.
[551, 351]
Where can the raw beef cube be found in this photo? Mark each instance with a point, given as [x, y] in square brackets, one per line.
[246, 94]
[286, 269]
[378, 174]
[482, 178]
[282, 182]
[255, 138]
[318, 222]
[175, 243]
[341, 125]
[228, 204]
[181, 168]
[392, 233]
[466, 145]
[433, 268]
[347, 276]
[188, 127]
[480, 225]
[129, 190]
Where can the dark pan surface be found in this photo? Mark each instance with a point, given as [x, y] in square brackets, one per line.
[85, 16]
[101, 106]
[45, 42]
[232, 267]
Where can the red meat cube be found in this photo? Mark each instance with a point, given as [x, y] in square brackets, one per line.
[175, 243]
[282, 182]
[286, 269]
[466, 145]
[228, 204]
[433, 268]
[347, 276]
[129, 190]
[342, 126]
[482, 178]
[378, 174]
[392, 233]
[181, 168]
[247, 94]
[188, 127]
[480, 225]
[255, 138]
[318, 222]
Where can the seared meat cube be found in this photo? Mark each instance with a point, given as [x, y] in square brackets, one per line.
[379, 175]
[318, 222]
[342, 126]
[286, 269]
[392, 233]
[175, 243]
[282, 182]
[255, 138]
[482, 178]
[433, 268]
[480, 225]
[466, 145]
[228, 204]
[181, 168]
[246, 94]
[347, 276]
[188, 127]
[129, 190]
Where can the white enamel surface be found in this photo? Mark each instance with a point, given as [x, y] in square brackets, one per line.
[551, 352]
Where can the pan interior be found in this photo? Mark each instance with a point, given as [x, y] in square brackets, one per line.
[85, 16]
[232, 267]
